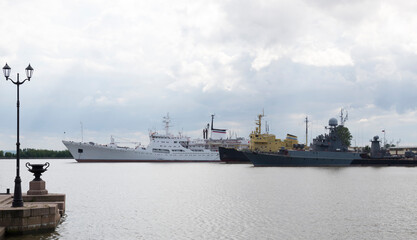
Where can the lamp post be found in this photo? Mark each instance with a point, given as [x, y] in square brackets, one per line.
[17, 198]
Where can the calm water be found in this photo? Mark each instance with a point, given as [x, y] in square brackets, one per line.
[219, 201]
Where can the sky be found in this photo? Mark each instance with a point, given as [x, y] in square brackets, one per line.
[116, 68]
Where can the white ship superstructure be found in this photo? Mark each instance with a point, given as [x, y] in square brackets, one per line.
[161, 148]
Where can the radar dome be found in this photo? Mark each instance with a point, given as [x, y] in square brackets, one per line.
[333, 122]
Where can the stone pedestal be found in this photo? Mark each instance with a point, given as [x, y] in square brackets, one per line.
[37, 188]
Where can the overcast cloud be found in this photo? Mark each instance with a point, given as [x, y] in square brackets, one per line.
[119, 67]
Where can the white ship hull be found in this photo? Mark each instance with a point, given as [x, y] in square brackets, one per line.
[91, 152]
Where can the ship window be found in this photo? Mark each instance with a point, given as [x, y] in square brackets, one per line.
[159, 150]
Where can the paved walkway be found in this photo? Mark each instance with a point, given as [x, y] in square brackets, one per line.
[5, 200]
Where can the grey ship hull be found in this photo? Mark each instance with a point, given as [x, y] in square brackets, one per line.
[303, 158]
[322, 159]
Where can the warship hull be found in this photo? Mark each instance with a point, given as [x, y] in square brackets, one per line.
[321, 159]
[385, 162]
[302, 159]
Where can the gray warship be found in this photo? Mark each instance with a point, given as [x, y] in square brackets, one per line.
[326, 150]
[329, 150]
[380, 156]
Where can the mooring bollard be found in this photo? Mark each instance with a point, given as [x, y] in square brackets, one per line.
[8, 191]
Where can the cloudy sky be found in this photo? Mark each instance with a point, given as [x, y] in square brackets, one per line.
[119, 67]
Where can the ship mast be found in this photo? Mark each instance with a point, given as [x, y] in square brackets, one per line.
[216, 130]
[342, 118]
[211, 132]
[166, 121]
[259, 123]
[306, 130]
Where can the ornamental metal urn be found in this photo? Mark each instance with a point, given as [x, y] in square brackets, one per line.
[37, 170]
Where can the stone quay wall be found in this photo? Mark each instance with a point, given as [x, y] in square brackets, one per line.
[40, 213]
[31, 218]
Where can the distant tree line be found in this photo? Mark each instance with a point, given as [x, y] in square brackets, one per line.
[37, 153]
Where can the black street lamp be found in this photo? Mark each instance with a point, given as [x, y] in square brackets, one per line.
[17, 198]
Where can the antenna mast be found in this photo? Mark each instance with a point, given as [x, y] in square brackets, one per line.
[306, 130]
[266, 127]
[166, 121]
[211, 132]
[343, 119]
[259, 123]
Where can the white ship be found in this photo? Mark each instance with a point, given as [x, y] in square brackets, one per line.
[162, 148]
